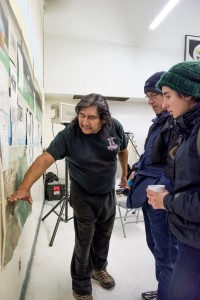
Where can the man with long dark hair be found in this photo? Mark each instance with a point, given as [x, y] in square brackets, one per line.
[91, 142]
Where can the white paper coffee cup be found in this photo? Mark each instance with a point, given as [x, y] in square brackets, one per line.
[159, 188]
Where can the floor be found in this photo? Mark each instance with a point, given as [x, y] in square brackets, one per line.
[130, 261]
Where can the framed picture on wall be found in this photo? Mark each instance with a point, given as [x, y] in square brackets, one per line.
[192, 47]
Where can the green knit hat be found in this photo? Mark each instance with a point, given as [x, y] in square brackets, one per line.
[183, 78]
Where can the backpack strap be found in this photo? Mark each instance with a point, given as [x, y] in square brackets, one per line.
[198, 141]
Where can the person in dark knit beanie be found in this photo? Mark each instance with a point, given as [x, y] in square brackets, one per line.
[153, 93]
[150, 83]
[181, 89]
[152, 170]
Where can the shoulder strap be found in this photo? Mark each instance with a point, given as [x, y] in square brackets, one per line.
[198, 141]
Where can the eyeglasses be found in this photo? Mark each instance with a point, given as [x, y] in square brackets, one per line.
[151, 96]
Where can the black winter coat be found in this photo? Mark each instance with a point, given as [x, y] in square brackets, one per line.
[184, 205]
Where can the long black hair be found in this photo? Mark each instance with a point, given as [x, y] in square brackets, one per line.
[101, 104]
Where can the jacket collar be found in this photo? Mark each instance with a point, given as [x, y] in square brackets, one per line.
[190, 118]
[160, 118]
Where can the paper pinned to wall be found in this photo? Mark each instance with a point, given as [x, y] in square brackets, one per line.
[4, 90]
[15, 213]
[2, 217]
[13, 103]
[4, 139]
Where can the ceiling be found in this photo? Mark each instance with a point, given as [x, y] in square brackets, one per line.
[120, 22]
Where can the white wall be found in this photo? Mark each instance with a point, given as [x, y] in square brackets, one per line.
[75, 67]
[135, 117]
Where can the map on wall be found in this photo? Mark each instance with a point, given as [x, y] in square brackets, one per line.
[21, 103]
[20, 123]
[2, 221]
[15, 214]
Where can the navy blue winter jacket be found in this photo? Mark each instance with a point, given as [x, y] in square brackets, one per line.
[153, 162]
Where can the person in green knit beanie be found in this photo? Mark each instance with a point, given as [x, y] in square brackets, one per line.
[181, 89]
[183, 78]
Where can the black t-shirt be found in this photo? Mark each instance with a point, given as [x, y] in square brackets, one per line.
[92, 158]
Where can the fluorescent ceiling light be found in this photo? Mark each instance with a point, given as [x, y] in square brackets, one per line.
[164, 12]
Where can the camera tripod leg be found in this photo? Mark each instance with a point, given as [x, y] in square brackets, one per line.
[64, 204]
[52, 210]
[58, 220]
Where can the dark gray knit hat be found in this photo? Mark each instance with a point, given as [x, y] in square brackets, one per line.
[183, 78]
[150, 83]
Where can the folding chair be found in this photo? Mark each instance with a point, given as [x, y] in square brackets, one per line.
[133, 218]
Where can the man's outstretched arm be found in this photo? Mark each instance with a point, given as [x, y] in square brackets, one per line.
[39, 166]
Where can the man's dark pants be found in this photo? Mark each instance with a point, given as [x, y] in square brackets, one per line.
[162, 244]
[94, 217]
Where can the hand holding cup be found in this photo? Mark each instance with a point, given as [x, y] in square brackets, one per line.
[155, 195]
[158, 188]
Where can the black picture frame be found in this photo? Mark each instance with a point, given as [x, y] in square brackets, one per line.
[192, 47]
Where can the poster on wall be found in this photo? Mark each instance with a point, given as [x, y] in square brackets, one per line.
[20, 70]
[4, 139]
[4, 89]
[1, 211]
[37, 103]
[4, 64]
[192, 47]
[21, 121]
[2, 217]
[12, 42]
[4, 58]
[19, 93]
[16, 213]
[25, 81]
[29, 136]
[13, 158]
[13, 103]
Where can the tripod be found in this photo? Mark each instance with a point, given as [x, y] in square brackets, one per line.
[64, 202]
[130, 137]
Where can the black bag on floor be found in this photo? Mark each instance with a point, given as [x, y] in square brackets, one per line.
[49, 177]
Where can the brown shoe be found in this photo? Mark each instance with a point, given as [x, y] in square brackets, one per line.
[82, 297]
[150, 295]
[105, 279]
